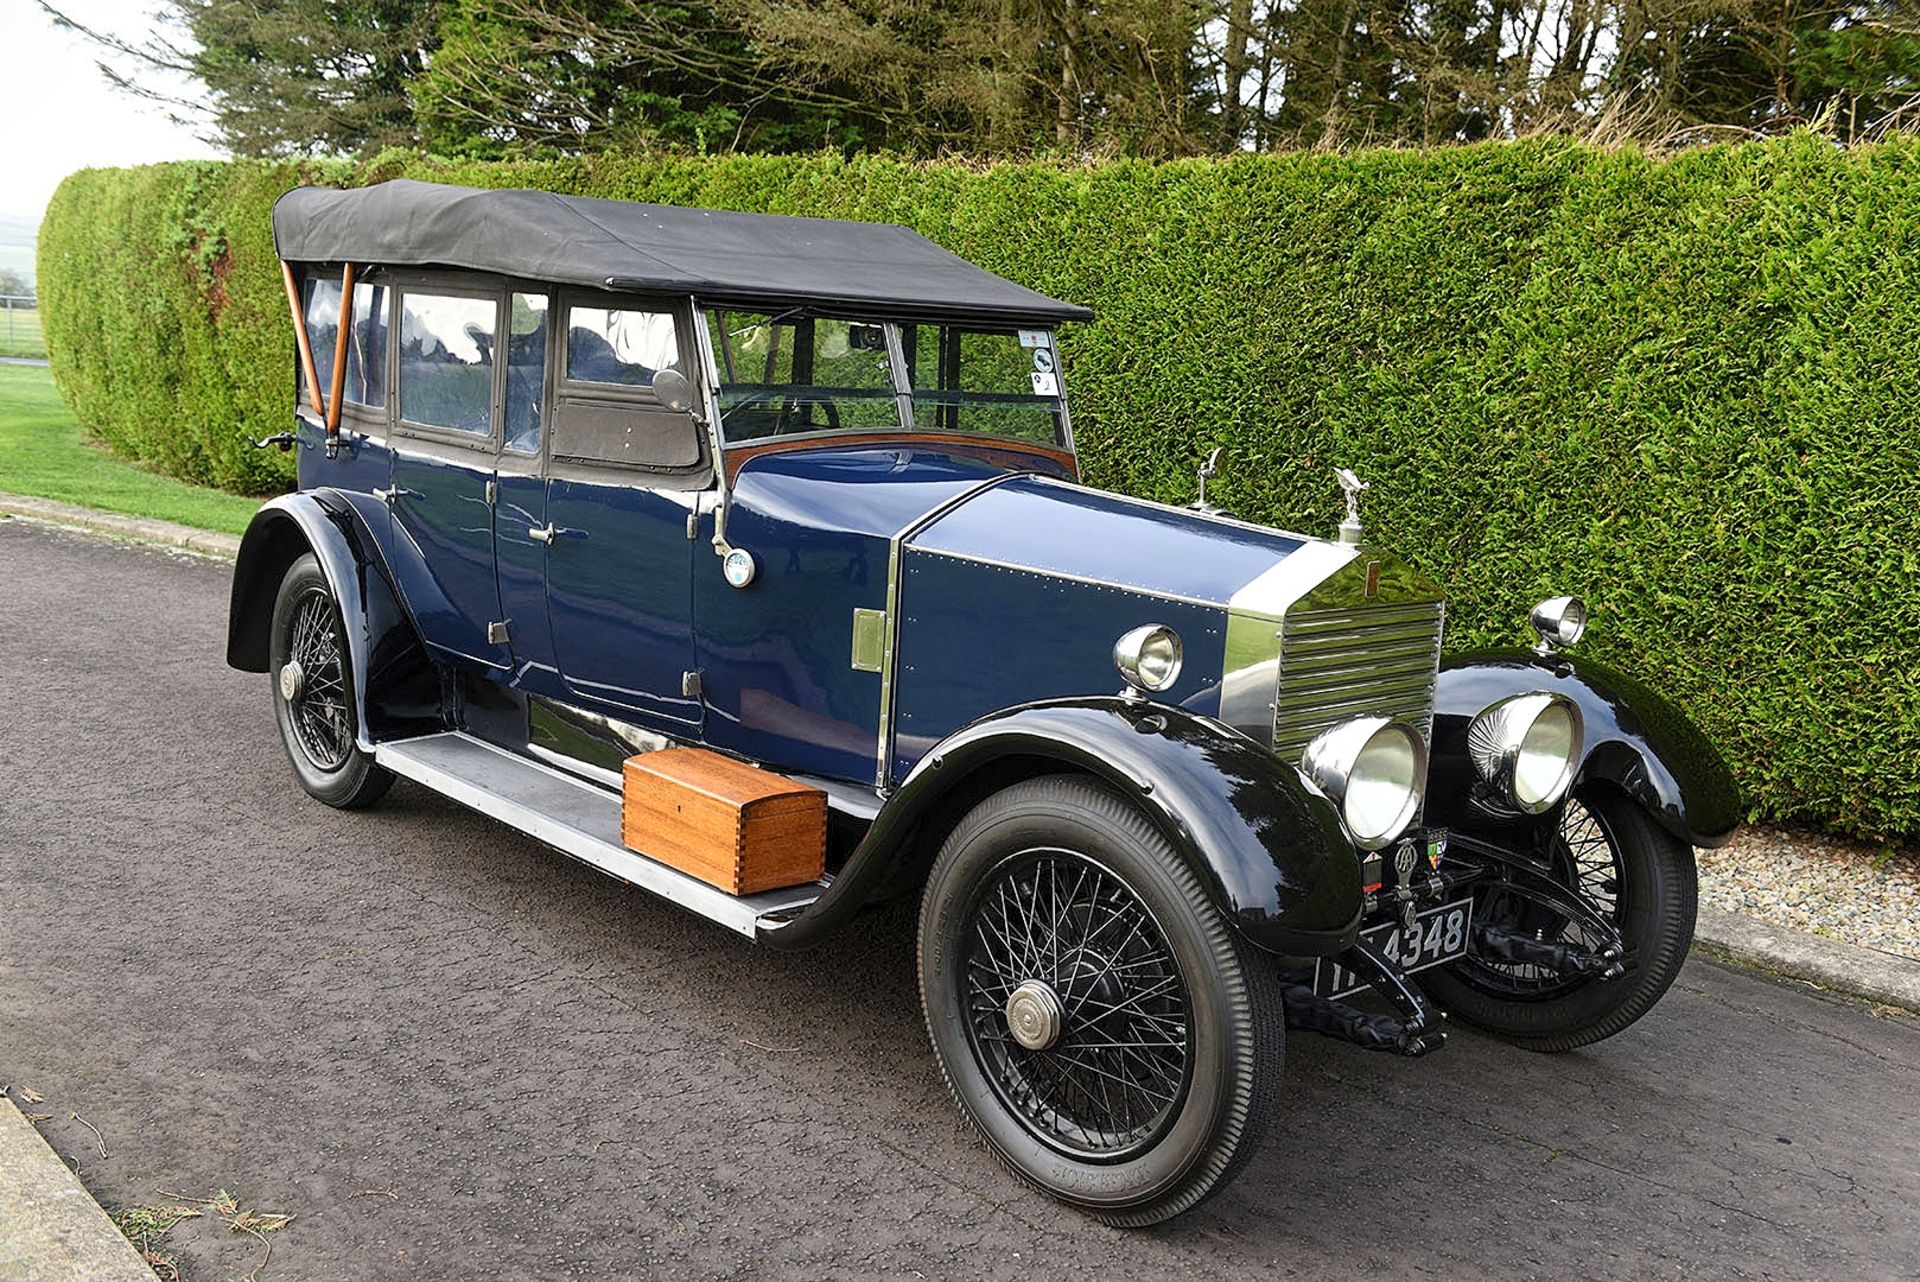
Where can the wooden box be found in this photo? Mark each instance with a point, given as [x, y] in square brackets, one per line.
[731, 825]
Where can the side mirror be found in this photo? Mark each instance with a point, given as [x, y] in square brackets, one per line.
[671, 386]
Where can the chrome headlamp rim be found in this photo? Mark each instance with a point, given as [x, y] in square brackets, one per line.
[1338, 758]
[1560, 620]
[1150, 657]
[1500, 738]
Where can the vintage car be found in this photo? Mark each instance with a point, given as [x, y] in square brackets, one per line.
[744, 559]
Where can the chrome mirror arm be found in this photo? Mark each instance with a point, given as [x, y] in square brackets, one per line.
[708, 415]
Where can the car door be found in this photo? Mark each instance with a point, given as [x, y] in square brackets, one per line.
[520, 502]
[623, 477]
[445, 443]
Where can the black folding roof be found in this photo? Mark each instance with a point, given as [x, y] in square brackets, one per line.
[617, 244]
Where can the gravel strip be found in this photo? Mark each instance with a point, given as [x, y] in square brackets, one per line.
[1853, 891]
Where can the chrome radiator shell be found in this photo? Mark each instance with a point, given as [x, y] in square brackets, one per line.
[1331, 632]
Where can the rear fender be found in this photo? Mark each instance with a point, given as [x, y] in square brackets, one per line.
[1636, 741]
[396, 687]
[1268, 849]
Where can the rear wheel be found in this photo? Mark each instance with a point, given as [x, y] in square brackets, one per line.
[1627, 868]
[1111, 1039]
[313, 692]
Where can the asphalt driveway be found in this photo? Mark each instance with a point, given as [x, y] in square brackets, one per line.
[451, 1053]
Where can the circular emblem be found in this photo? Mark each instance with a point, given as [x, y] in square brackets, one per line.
[738, 567]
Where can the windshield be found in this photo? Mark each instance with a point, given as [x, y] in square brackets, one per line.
[990, 382]
[796, 372]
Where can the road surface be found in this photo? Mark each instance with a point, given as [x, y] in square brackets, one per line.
[451, 1053]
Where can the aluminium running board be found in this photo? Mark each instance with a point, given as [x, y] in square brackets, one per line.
[573, 816]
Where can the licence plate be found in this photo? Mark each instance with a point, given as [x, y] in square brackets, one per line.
[1437, 935]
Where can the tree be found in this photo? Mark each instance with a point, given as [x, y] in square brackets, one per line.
[995, 77]
[286, 76]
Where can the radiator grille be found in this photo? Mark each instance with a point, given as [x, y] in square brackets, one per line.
[1374, 660]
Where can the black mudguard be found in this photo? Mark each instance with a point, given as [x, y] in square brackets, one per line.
[396, 688]
[1635, 739]
[1269, 850]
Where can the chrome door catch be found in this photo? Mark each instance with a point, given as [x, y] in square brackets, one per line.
[497, 633]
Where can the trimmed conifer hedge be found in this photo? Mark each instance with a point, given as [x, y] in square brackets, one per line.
[1686, 389]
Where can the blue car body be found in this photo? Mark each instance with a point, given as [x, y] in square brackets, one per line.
[927, 609]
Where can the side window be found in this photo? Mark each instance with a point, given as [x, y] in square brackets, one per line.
[446, 361]
[366, 382]
[323, 326]
[604, 409]
[526, 370]
[367, 347]
[619, 346]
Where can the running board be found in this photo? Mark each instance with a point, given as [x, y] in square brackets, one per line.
[573, 816]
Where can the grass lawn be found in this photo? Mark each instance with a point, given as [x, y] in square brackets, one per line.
[20, 334]
[44, 453]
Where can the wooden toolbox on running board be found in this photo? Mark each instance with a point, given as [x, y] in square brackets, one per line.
[731, 825]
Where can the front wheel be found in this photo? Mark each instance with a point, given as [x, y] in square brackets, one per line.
[313, 692]
[1112, 1040]
[1609, 852]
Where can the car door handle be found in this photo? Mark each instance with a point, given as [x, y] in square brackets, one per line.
[388, 496]
[541, 533]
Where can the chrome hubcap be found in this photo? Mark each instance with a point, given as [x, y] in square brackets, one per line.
[1035, 1015]
[292, 681]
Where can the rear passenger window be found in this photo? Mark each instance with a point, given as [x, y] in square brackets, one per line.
[619, 345]
[446, 361]
[366, 382]
[526, 370]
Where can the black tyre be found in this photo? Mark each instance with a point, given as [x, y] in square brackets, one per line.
[313, 692]
[1627, 868]
[1112, 1040]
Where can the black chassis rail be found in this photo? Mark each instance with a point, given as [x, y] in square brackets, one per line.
[1414, 1027]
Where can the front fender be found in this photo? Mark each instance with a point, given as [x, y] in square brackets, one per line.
[1635, 739]
[1269, 850]
[395, 687]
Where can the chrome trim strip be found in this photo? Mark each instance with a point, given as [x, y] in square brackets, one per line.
[580, 819]
[600, 775]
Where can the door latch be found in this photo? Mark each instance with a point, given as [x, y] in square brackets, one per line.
[690, 685]
[493, 493]
[497, 633]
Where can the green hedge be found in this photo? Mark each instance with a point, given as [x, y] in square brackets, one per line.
[1686, 389]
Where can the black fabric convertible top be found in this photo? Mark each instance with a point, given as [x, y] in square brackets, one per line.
[575, 240]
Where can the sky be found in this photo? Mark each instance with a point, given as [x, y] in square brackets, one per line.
[63, 115]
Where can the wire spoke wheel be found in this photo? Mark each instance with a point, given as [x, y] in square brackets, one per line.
[1584, 857]
[1075, 1009]
[1628, 869]
[313, 684]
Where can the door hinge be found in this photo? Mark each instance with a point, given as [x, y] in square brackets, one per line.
[497, 633]
[693, 524]
[690, 685]
[493, 493]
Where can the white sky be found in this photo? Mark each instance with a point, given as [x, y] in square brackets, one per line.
[63, 115]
